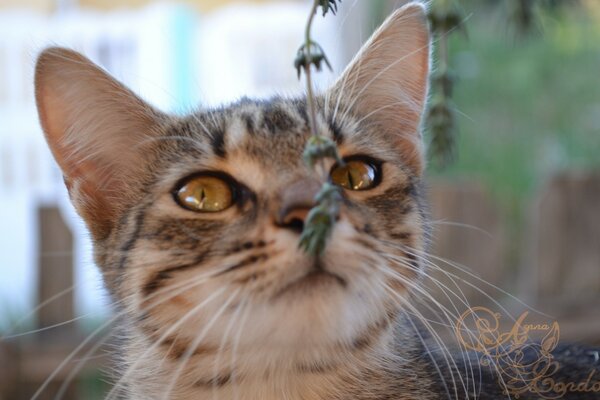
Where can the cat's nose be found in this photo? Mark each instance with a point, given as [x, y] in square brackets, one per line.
[296, 201]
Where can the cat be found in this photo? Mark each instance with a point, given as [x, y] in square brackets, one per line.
[196, 222]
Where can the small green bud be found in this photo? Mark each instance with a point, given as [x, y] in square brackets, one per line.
[445, 16]
[314, 55]
[329, 5]
[321, 220]
[442, 128]
[318, 148]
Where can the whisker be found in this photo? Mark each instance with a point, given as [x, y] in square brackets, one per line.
[425, 257]
[496, 367]
[106, 324]
[79, 366]
[84, 343]
[28, 315]
[413, 286]
[202, 125]
[447, 355]
[234, 350]
[222, 345]
[192, 348]
[172, 328]
[435, 364]
[46, 328]
[461, 225]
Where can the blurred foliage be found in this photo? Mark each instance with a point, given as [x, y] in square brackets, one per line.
[447, 17]
[517, 99]
[528, 107]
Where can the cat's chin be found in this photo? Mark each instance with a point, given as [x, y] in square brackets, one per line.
[316, 279]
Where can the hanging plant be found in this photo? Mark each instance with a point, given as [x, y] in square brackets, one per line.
[321, 218]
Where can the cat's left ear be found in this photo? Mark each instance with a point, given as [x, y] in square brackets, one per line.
[387, 82]
[98, 131]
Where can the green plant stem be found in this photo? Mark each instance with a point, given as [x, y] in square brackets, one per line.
[321, 218]
[309, 88]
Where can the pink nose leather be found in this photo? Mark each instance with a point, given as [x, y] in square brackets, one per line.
[296, 201]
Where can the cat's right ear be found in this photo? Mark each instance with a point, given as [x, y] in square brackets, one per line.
[94, 126]
[387, 81]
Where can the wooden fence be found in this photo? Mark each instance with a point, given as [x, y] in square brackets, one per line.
[550, 263]
[557, 271]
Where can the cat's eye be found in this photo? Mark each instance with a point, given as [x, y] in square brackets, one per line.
[357, 174]
[205, 193]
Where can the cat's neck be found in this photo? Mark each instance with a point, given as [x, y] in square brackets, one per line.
[371, 372]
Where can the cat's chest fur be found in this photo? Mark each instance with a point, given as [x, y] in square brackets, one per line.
[388, 369]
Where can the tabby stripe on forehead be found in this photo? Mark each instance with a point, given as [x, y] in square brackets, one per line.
[250, 124]
[217, 141]
[336, 132]
[301, 108]
[276, 119]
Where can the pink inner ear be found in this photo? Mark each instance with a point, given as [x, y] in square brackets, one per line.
[94, 126]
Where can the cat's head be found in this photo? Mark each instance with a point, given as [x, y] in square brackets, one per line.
[196, 220]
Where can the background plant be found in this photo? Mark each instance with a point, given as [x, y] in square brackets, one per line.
[447, 17]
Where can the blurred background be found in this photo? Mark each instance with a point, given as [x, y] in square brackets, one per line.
[516, 212]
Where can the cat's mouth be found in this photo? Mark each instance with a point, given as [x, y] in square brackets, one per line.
[317, 276]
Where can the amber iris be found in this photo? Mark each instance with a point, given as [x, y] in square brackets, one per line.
[205, 194]
[355, 175]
